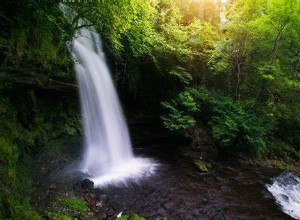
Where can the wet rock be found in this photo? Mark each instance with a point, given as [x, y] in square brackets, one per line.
[261, 182]
[102, 198]
[87, 184]
[181, 216]
[110, 212]
[196, 215]
[52, 188]
[229, 169]
[205, 200]
[202, 166]
[101, 215]
[90, 214]
[92, 195]
[99, 204]
[284, 197]
[168, 205]
[116, 205]
[77, 187]
[219, 179]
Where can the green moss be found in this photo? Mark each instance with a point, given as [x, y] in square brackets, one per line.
[15, 183]
[131, 217]
[75, 204]
[59, 216]
[53, 128]
[202, 166]
[281, 165]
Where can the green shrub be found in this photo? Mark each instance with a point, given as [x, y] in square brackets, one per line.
[180, 110]
[232, 126]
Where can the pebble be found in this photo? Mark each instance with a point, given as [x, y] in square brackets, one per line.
[99, 204]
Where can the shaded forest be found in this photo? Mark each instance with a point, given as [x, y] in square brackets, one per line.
[225, 73]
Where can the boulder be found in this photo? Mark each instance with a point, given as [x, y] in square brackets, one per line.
[87, 184]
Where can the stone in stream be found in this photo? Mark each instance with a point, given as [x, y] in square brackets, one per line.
[202, 166]
[284, 197]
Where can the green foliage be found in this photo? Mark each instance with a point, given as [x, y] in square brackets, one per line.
[234, 128]
[282, 151]
[181, 74]
[55, 120]
[16, 144]
[67, 208]
[15, 182]
[32, 39]
[179, 110]
[289, 131]
[154, 38]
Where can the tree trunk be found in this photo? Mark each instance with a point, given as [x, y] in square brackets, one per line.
[17, 78]
[237, 89]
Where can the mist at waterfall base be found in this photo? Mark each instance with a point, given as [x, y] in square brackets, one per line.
[107, 156]
[286, 190]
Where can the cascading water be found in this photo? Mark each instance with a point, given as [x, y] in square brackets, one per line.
[286, 190]
[108, 156]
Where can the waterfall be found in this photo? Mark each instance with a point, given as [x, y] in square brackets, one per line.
[106, 135]
[286, 190]
[107, 156]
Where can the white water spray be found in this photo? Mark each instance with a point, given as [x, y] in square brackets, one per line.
[286, 190]
[108, 156]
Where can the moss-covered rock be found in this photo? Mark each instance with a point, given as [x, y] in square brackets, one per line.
[202, 166]
[15, 184]
[75, 205]
[59, 216]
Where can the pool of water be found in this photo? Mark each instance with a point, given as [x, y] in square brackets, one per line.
[179, 191]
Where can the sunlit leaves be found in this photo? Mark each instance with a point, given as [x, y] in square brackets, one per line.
[180, 112]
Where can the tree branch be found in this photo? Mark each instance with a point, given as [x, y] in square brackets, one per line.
[31, 79]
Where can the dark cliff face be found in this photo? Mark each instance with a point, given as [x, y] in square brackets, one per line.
[33, 40]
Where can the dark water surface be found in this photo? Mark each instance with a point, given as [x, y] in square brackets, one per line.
[179, 191]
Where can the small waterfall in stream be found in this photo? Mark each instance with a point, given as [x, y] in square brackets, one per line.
[108, 156]
[286, 190]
